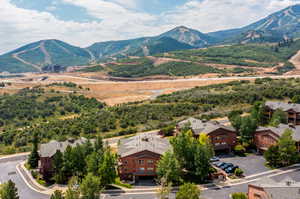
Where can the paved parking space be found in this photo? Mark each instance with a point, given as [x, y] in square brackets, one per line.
[252, 164]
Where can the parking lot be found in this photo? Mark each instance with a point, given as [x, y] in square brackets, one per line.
[252, 164]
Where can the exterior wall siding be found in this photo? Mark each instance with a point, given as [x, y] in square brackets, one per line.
[256, 193]
[265, 139]
[139, 164]
[223, 139]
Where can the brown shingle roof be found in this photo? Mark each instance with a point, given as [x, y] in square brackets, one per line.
[143, 142]
[280, 129]
[285, 189]
[50, 148]
[283, 106]
[199, 126]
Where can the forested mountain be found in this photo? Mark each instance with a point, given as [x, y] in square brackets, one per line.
[137, 47]
[275, 27]
[38, 55]
[42, 54]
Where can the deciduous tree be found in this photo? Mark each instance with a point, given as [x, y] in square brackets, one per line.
[188, 191]
[168, 168]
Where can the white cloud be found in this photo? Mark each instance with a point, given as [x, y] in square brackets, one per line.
[212, 15]
[121, 20]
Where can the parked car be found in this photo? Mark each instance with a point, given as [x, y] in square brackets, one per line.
[214, 159]
[219, 164]
[231, 169]
[226, 165]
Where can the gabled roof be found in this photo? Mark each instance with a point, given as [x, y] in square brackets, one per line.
[283, 106]
[280, 129]
[143, 142]
[50, 148]
[285, 189]
[199, 126]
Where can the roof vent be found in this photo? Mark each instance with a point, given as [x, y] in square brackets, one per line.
[289, 183]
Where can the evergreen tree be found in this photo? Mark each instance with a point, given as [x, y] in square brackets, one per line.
[34, 157]
[92, 163]
[287, 149]
[272, 156]
[99, 146]
[9, 191]
[57, 164]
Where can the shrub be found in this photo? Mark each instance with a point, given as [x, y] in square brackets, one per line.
[239, 196]
[238, 172]
[240, 150]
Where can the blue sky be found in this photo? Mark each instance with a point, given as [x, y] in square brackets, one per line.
[82, 22]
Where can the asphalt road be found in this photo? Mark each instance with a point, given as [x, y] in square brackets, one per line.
[212, 193]
[8, 171]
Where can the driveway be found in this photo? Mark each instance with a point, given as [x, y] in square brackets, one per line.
[252, 164]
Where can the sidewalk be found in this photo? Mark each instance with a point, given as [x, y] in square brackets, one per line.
[34, 185]
[31, 182]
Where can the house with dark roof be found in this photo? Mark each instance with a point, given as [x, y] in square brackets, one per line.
[222, 137]
[264, 137]
[138, 156]
[292, 111]
[48, 150]
[270, 189]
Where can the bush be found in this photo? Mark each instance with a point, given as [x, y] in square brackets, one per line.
[239, 196]
[239, 150]
[238, 172]
[168, 131]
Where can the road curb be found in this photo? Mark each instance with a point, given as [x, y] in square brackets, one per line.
[19, 167]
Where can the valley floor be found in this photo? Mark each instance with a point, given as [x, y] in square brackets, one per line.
[116, 92]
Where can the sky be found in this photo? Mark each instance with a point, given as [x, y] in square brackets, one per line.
[83, 22]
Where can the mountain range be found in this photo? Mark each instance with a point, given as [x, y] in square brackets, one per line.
[39, 55]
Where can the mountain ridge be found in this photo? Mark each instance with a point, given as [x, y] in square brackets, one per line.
[35, 56]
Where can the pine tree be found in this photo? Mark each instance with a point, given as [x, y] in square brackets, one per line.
[34, 157]
[9, 191]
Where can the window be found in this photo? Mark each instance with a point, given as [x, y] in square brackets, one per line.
[150, 161]
[125, 162]
[257, 196]
[150, 169]
[141, 161]
[142, 169]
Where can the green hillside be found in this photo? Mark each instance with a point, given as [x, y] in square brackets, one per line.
[145, 67]
[259, 55]
[92, 119]
[35, 56]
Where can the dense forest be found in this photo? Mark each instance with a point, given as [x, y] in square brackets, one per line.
[46, 112]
